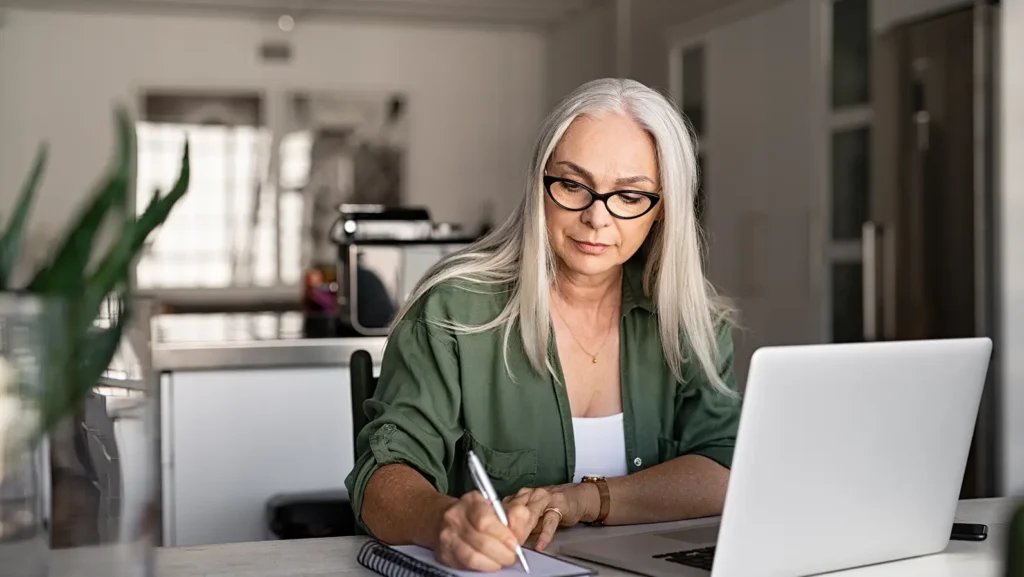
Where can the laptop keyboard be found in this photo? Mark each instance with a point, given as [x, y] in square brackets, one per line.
[699, 558]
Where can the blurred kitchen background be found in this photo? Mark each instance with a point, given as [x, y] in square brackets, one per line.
[858, 183]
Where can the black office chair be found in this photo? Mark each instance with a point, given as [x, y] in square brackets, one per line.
[363, 386]
[326, 513]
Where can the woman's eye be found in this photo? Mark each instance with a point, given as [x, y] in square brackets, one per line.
[572, 185]
[631, 198]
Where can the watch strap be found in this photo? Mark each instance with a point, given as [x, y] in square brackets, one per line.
[602, 491]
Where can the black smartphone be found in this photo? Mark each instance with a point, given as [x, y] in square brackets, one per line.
[969, 532]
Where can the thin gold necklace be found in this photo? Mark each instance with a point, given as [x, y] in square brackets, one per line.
[592, 356]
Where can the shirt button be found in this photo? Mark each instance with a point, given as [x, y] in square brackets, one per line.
[637, 462]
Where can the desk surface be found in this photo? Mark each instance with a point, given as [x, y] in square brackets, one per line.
[336, 557]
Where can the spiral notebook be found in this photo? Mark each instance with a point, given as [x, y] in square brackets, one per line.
[413, 561]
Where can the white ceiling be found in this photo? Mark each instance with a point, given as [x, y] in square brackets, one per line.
[530, 12]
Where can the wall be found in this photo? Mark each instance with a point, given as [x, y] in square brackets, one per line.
[657, 23]
[888, 13]
[650, 22]
[760, 200]
[580, 49]
[1010, 211]
[61, 73]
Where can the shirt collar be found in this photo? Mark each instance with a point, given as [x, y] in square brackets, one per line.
[633, 294]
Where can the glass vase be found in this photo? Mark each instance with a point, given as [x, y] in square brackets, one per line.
[104, 466]
[26, 323]
[79, 498]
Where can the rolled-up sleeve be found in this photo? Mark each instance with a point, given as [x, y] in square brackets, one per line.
[706, 421]
[414, 412]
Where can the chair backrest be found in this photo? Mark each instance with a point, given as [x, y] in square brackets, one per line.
[363, 386]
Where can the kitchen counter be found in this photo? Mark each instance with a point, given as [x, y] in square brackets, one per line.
[263, 353]
[249, 410]
[223, 341]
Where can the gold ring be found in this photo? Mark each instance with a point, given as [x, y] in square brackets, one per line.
[556, 511]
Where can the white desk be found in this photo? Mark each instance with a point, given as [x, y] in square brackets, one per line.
[337, 557]
[961, 558]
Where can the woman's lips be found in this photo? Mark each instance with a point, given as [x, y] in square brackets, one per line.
[590, 247]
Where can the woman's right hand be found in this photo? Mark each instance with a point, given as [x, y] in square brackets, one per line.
[472, 537]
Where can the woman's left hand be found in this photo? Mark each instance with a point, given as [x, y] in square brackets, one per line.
[551, 507]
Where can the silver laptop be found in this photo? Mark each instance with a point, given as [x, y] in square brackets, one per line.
[847, 455]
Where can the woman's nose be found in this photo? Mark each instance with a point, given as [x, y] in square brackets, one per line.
[597, 216]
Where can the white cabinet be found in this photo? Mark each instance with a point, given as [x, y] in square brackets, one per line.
[234, 438]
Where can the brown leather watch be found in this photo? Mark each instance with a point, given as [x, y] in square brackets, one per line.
[602, 490]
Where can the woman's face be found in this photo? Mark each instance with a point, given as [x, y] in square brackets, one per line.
[607, 154]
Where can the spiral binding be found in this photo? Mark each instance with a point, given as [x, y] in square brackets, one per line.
[384, 560]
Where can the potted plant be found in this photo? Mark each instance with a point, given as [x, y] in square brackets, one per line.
[53, 353]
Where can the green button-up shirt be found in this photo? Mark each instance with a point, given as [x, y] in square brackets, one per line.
[440, 394]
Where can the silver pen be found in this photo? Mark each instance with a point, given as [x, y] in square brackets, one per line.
[483, 483]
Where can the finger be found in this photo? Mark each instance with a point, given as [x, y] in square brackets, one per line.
[549, 524]
[500, 550]
[461, 555]
[483, 519]
[474, 497]
[521, 497]
[521, 521]
[481, 515]
[539, 501]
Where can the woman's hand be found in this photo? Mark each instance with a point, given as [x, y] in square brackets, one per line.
[550, 507]
[472, 537]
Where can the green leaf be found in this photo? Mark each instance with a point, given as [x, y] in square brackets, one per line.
[89, 357]
[78, 352]
[10, 242]
[67, 270]
[114, 268]
[125, 154]
[153, 199]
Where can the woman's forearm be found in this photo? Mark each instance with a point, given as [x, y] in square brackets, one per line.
[401, 507]
[686, 487]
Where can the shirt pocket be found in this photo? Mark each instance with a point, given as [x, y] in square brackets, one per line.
[509, 471]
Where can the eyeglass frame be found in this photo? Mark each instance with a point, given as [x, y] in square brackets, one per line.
[596, 196]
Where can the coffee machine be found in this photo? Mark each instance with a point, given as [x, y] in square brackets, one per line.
[383, 253]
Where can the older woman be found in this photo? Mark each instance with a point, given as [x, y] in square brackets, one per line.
[577, 350]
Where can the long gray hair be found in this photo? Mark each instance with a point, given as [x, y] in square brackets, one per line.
[517, 254]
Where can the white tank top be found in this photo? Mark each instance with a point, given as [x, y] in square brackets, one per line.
[600, 446]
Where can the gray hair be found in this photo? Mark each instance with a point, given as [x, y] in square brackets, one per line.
[517, 253]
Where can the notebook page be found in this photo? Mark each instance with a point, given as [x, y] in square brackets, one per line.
[541, 565]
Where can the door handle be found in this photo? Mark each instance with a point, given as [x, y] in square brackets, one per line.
[870, 234]
[919, 103]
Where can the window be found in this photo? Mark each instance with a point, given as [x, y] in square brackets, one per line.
[851, 55]
[266, 183]
[692, 99]
[851, 181]
[222, 232]
[693, 88]
[847, 291]
[848, 179]
[231, 229]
